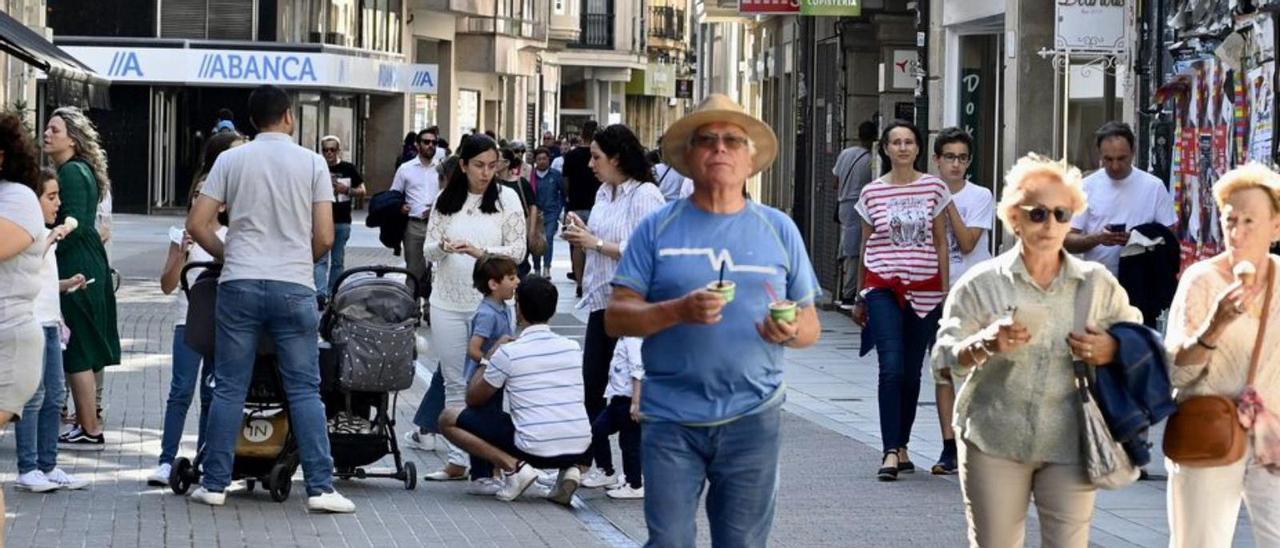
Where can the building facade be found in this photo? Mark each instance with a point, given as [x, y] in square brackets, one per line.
[175, 63]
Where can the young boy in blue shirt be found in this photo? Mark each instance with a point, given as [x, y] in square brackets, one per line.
[496, 277]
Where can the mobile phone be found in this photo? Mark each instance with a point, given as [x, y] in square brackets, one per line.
[1117, 227]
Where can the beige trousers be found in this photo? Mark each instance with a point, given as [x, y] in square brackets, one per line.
[1204, 503]
[997, 492]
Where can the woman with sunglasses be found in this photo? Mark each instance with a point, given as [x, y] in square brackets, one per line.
[903, 280]
[1008, 336]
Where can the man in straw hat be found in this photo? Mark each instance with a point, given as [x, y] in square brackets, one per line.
[718, 285]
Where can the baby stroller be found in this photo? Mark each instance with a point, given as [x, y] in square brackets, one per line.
[266, 452]
[369, 327]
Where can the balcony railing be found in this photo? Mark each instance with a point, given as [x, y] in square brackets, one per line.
[597, 31]
[667, 22]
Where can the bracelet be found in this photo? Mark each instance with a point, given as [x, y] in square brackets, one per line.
[1207, 346]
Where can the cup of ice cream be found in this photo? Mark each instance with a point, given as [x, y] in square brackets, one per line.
[726, 289]
[783, 311]
[1245, 272]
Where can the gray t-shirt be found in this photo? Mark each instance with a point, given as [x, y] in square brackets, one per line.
[269, 186]
[20, 275]
[853, 170]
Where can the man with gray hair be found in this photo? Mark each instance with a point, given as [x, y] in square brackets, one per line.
[718, 285]
[347, 184]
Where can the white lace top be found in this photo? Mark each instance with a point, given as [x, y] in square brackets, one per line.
[501, 233]
[1228, 366]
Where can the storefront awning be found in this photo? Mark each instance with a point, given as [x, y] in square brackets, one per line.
[70, 82]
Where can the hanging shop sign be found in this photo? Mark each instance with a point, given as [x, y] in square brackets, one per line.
[838, 8]
[1095, 26]
[656, 80]
[250, 67]
[684, 89]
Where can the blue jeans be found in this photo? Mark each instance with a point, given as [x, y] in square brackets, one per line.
[187, 373]
[287, 313]
[329, 267]
[428, 415]
[551, 223]
[739, 461]
[902, 338]
[36, 435]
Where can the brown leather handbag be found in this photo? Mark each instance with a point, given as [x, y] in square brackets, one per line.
[1206, 431]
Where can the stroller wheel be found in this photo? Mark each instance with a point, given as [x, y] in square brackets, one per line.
[181, 476]
[410, 474]
[281, 481]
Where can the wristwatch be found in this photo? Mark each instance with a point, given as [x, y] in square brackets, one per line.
[599, 245]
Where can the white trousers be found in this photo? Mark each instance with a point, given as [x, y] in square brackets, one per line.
[998, 491]
[1204, 503]
[449, 345]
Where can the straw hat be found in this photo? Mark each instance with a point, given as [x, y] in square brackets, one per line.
[719, 108]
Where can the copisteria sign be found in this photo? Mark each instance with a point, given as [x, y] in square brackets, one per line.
[847, 8]
[253, 67]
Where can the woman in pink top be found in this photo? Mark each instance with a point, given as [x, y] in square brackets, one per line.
[903, 279]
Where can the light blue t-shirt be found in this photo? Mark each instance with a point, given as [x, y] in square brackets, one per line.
[714, 373]
[491, 322]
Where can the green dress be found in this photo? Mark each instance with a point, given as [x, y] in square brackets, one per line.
[89, 313]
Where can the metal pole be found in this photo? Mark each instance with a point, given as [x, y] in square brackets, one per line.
[1066, 103]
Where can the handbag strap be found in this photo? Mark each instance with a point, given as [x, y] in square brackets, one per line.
[853, 166]
[1262, 325]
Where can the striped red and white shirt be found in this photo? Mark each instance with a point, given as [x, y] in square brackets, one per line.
[901, 244]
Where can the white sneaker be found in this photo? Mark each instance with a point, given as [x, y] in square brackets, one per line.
[331, 502]
[626, 492]
[485, 487]
[67, 481]
[421, 442]
[160, 477]
[515, 483]
[236, 486]
[597, 478]
[548, 478]
[566, 485]
[204, 496]
[36, 482]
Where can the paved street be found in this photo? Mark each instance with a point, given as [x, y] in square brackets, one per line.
[829, 496]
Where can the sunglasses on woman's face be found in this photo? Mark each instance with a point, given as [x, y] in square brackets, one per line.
[1039, 214]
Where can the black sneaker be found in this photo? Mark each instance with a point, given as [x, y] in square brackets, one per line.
[79, 440]
[846, 304]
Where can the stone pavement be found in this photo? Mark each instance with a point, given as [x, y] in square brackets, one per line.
[828, 496]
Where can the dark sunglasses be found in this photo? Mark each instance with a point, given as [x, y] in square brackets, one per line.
[427, 141]
[1040, 214]
[710, 141]
[327, 149]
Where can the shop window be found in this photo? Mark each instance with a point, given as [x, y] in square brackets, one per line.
[468, 110]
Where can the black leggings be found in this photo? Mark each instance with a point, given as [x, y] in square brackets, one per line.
[597, 353]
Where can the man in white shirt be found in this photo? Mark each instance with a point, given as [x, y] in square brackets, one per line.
[547, 426]
[280, 200]
[419, 180]
[1121, 197]
[571, 143]
[970, 217]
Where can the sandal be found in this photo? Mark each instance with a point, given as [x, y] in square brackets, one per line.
[905, 466]
[888, 473]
